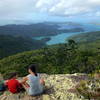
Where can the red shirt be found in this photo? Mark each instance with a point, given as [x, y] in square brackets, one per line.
[13, 85]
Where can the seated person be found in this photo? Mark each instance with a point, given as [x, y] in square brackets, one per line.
[13, 85]
[32, 82]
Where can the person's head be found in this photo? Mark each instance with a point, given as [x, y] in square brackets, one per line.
[32, 69]
[13, 75]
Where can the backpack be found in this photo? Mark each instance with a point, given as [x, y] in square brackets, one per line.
[2, 86]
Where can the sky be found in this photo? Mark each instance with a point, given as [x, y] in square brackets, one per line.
[30, 11]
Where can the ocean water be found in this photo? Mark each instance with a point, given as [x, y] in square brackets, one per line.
[61, 38]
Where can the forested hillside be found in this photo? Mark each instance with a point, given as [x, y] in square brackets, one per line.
[90, 40]
[64, 58]
[71, 57]
[10, 45]
[87, 37]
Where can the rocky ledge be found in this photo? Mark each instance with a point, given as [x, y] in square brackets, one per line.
[57, 87]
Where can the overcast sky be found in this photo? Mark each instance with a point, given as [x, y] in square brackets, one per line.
[18, 11]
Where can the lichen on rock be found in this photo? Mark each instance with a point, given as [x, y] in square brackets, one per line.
[57, 87]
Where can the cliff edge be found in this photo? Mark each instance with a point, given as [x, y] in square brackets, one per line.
[57, 87]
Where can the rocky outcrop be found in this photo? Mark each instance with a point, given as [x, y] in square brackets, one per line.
[57, 87]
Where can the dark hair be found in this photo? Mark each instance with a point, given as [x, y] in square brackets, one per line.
[13, 74]
[33, 68]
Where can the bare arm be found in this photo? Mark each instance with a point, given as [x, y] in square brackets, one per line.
[42, 81]
[24, 80]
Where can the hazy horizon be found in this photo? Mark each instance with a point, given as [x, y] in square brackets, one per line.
[32, 11]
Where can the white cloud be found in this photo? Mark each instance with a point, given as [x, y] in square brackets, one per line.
[16, 8]
[20, 9]
[68, 7]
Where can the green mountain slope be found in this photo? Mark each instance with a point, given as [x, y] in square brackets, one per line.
[65, 58]
[10, 45]
[87, 37]
[90, 40]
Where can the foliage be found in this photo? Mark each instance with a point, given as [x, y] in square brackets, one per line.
[87, 37]
[10, 45]
[89, 89]
[65, 58]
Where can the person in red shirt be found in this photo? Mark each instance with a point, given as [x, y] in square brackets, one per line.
[13, 85]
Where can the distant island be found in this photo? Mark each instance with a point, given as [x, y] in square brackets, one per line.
[36, 30]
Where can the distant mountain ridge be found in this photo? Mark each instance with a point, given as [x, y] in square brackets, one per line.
[38, 29]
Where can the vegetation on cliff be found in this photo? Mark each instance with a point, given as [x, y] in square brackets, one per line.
[64, 58]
